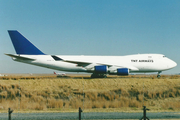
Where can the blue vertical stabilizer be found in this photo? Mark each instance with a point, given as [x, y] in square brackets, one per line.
[22, 45]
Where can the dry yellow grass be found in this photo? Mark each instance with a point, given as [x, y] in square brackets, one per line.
[64, 94]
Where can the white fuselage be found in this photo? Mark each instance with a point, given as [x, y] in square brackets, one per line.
[135, 63]
[28, 53]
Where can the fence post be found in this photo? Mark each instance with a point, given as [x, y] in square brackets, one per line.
[9, 112]
[144, 113]
[80, 110]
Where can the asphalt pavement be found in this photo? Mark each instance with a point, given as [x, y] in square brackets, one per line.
[88, 116]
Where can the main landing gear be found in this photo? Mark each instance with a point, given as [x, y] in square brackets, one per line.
[98, 75]
[158, 75]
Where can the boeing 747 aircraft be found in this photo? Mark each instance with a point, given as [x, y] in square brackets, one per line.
[99, 66]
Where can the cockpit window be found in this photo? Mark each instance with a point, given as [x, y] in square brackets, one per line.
[164, 56]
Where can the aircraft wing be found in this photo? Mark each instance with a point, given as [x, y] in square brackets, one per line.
[84, 64]
[19, 57]
[91, 64]
[79, 63]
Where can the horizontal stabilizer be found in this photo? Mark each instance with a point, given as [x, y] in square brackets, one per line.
[19, 57]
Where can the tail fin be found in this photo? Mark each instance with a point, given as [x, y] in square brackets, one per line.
[22, 45]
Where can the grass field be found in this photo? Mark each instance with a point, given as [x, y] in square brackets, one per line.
[49, 93]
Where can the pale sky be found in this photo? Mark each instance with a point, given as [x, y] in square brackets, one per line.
[91, 27]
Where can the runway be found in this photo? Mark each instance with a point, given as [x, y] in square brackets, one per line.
[89, 116]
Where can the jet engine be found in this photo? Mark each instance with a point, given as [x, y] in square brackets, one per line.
[101, 69]
[122, 71]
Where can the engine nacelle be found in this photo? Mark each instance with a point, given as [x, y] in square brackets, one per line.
[101, 69]
[122, 71]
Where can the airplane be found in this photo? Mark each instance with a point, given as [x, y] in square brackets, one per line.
[59, 74]
[2, 75]
[99, 66]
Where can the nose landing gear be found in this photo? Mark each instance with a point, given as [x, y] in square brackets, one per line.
[158, 75]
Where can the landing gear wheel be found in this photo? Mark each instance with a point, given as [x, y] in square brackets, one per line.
[158, 76]
[98, 76]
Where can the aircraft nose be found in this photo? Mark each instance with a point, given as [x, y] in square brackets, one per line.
[172, 64]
